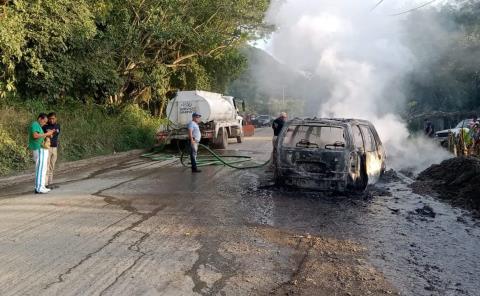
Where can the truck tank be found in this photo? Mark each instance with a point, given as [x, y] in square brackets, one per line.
[212, 107]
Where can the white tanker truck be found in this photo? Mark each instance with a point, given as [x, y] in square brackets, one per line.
[220, 119]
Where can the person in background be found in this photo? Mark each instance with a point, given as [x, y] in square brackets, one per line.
[52, 125]
[194, 136]
[36, 137]
[277, 126]
[429, 129]
[473, 122]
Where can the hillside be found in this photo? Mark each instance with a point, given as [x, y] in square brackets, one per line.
[270, 86]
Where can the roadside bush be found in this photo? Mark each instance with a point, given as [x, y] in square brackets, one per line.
[87, 130]
[14, 157]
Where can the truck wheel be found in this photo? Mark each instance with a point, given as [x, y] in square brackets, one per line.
[222, 139]
[240, 138]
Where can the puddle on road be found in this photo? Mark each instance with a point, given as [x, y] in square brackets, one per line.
[422, 245]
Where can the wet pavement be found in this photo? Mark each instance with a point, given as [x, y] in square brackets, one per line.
[422, 245]
[139, 227]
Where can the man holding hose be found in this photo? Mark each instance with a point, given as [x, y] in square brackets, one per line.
[194, 136]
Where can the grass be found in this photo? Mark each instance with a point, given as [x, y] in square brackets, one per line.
[87, 131]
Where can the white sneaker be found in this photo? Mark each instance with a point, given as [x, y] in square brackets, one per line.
[42, 191]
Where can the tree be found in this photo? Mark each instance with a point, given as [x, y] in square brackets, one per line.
[117, 51]
[449, 77]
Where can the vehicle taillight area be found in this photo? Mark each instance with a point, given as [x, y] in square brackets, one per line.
[207, 134]
[162, 135]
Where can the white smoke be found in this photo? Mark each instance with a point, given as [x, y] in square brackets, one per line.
[359, 54]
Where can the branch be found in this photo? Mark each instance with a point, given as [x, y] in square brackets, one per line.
[208, 20]
[377, 5]
[176, 65]
[413, 9]
[185, 57]
[216, 49]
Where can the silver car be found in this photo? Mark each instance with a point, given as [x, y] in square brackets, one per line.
[442, 136]
[328, 154]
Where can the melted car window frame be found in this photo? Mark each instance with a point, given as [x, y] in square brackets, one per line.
[373, 143]
[358, 137]
[293, 139]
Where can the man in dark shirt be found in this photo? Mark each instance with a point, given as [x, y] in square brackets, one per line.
[277, 126]
[429, 129]
[278, 123]
[52, 125]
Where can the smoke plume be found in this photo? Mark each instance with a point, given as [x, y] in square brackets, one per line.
[357, 54]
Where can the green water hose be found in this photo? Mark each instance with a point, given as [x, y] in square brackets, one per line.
[221, 160]
[231, 161]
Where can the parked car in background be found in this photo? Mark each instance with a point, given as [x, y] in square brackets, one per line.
[329, 154]
[442, 136]
[263, 120]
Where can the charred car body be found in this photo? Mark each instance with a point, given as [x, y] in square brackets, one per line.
[328, 154]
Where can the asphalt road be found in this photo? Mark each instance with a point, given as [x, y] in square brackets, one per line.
[139, 227]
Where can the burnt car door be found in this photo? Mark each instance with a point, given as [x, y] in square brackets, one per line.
[373, 156]
[357, 158]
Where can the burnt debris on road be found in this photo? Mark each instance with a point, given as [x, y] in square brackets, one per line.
[456, 180]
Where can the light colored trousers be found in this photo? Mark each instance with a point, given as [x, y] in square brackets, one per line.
[40, 156]
[52, 159]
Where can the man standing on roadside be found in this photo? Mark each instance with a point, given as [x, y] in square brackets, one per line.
[277, 126]
[52, 125]
[36, 136]
[194, 136]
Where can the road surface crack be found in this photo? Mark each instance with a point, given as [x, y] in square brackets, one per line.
[135, 247]
[310, 244]
[143, 217]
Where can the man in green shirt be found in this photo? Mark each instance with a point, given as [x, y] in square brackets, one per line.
[36, 136]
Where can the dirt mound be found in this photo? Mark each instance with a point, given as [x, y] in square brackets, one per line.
[456, 179]
[390, 176]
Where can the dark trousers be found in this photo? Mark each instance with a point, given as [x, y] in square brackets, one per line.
[193, 155]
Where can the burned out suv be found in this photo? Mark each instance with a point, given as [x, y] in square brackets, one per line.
[328, 154]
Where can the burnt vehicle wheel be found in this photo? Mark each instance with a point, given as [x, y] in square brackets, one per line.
[362, 181]
[383, 169]
[279, 180]
[360, 184]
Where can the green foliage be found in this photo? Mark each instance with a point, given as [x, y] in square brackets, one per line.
[97, 63]
[14, 156]
[86, 131]
[118, 51]
[448, 49]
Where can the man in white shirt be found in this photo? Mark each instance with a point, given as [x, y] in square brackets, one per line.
[194, 136]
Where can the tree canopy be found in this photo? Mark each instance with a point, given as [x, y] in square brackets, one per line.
[448, 50]
[116, 51]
